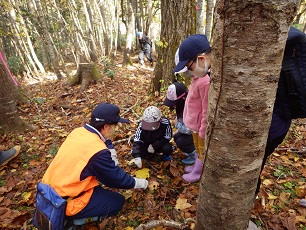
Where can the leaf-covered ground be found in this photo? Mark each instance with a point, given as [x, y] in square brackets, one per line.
[57, 109]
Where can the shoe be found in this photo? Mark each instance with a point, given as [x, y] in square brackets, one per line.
[166, 158]
[196, 173]
[189, 169]
[8, 155]
[190, 159]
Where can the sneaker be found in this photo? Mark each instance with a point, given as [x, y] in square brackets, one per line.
[6, 156]
[166, 158]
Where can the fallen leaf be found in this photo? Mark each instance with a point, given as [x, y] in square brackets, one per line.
[182, 204]
[143, 173]
[27, 195]
[272, 197]
[153, 185]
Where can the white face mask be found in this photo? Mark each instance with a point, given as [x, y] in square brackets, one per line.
[198, 71]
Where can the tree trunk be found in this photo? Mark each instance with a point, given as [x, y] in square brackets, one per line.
[9, 119]
[178, 21]
[209, 18]
[129, 33]
[249, 40]
[47, 36]
[200, 17]
[87, 74]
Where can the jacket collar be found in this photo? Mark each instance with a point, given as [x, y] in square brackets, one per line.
[94, 130]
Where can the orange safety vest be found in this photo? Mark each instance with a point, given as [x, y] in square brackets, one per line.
[63, 174]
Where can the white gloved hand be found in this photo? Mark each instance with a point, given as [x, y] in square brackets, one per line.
[135, 162]
[138, 162]
[114, 156]
[141, 183]
[151, 149]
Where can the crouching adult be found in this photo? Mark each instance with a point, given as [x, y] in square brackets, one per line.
[87, 158]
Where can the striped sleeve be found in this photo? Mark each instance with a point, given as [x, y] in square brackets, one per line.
[138, 134]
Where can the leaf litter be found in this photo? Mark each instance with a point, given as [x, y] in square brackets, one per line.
[57, 109]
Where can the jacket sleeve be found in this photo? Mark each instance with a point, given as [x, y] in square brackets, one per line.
[167, 135]
[103, 168]
[203, 90]
[138, 142]
[181, 127]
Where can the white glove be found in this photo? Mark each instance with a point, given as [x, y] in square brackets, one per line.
[135, 161]
[141, 183]
[138, 162]
[114, 156]
[151, 149]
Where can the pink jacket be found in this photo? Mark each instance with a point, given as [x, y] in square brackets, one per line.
[196, 105]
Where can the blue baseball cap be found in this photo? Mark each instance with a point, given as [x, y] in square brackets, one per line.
[107, 113]
[192, 46]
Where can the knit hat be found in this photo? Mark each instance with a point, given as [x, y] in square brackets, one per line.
[107, 113]
[151, 118]
[192, 46]
[175, 91]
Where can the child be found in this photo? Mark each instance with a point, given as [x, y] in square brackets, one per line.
[152, 136]
[194, 55]
[175, 99]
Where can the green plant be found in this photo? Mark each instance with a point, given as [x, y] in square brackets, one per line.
[108, 68]
[53, 150]
[15, 65]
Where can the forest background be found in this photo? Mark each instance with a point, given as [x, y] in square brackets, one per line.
[64, 57]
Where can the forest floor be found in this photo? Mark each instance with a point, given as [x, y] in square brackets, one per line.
[57, 109]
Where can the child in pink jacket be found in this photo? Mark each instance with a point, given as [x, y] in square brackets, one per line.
[195, 56]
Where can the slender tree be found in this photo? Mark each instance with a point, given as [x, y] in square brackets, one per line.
[200, 17]
[248, 45]
[175, 27]
[209, 17]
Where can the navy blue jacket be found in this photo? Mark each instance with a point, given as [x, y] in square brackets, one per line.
[103, 168]
[157, 138]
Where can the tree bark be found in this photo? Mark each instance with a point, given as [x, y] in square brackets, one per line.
[129, 32]
[175, 27]
[209, 18]
[87, 74]
[9, 119]
[249, 40]
[200, 17]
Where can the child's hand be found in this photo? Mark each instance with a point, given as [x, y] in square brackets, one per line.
[136, 161]
[175, 122]
[151, 149]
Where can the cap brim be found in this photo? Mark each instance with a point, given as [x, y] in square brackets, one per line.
[122, 120]
[169, 103]
[151, 126]
[180, 67]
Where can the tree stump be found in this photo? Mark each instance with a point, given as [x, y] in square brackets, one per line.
[87, 74]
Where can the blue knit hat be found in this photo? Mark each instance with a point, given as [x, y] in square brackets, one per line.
[192, 46]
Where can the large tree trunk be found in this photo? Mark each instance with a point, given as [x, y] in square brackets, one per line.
[9, 119]
[178, 21]
[249, 40]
